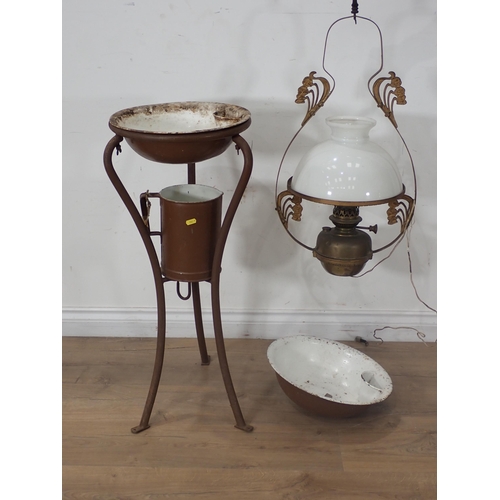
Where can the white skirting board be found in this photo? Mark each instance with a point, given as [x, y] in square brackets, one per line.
[345, 325]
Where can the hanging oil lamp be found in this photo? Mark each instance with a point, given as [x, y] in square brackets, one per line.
[347, 172]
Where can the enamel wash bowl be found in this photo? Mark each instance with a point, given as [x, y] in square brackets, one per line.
[180, 132]
[328, 378]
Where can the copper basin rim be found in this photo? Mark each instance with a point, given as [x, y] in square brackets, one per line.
[180, 132]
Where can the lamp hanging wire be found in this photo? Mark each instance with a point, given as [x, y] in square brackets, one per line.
[354, 10]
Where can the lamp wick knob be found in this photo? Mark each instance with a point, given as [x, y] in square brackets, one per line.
[373, 229]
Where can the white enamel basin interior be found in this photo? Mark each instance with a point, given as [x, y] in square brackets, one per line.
[180, 117]
[329, 370]
[190, 193]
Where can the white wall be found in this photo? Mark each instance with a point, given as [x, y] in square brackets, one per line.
[118, 54]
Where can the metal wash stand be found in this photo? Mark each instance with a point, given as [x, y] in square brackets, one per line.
[184, 133]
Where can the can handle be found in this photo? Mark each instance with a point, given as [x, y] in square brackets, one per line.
[146, 206]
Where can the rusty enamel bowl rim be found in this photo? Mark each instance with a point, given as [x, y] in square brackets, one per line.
[212, 119]
[329, 370]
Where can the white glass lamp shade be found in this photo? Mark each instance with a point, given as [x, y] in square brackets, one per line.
[348, 167]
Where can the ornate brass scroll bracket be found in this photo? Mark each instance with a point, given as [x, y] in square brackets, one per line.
[392, 93]
[289, 205]
[309, 92]
[400, 210]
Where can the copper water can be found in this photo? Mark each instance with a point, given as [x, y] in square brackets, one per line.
[190, 224]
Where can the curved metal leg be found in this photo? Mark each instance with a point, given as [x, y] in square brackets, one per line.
[242, 145]
[205, 358]
[113, 144]
[198, 320]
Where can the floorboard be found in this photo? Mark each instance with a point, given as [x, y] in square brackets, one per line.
[192, 449]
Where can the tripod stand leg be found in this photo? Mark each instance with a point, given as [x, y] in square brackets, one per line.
[113, 144]
[205, 358]
[242, 145]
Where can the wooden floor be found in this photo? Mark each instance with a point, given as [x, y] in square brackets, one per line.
[193, 451]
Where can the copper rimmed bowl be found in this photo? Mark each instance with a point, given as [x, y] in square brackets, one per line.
[180, 132]
[328, 378]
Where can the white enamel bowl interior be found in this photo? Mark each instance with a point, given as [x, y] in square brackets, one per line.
[180, 117]
[190, 193]
[329, 370]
